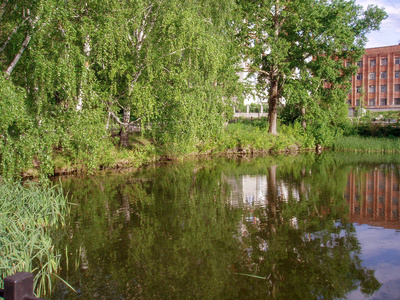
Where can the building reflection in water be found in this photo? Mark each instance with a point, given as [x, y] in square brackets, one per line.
[251, 191]
[295, 236]
[373, 197]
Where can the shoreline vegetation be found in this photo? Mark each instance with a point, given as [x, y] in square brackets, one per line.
[240, 137]
[29, 214]
[368, 144]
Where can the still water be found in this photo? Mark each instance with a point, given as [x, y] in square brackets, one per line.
[301, 227]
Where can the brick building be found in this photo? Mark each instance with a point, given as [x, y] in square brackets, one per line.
[376, 86]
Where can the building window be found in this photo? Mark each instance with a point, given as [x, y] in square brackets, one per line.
[359, 76]
[348, 102]
[397, 87]
[397, 60]
[383, 101]
[383, 61]
[396, 101]
[396, 74]
[358, 102]
[372, 75]
[383, 88]
[372, 89]
[371, 102]
[383, 75]
[372, 63]
[358, 89]
[360, 63]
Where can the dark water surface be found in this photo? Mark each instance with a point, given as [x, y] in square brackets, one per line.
[304, 227]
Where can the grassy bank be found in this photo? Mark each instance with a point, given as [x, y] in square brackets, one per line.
[368, 144]
[242, 137]
[27, 214]
[252, 137]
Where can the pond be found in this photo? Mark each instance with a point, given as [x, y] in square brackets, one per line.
[286, 227]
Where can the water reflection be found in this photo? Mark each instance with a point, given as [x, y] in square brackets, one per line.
[295, 242]
[373, 196]
[263, 228]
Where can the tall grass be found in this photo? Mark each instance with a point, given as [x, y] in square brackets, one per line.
[368, 144]
[27, 213]
[254, 136]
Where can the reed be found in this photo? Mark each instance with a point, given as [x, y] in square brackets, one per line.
[368, 144]
[27, 214]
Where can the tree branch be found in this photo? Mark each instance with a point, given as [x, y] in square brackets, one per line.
[11, 34]
[19, 54]
[24, 45]
[118, 120]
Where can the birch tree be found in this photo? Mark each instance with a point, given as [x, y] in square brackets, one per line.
[193, 74]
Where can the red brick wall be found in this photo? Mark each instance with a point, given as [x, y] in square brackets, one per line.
[389, 53]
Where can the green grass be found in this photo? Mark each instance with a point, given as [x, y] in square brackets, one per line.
[27, 213]
[254, 136]
[368, 144]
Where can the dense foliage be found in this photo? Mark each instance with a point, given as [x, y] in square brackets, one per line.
[76, 72]
[298, 49]
[76, 77]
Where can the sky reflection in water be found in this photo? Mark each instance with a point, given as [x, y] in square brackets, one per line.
[380, 252]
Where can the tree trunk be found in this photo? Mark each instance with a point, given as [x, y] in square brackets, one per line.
[303, 121]
[124, 133]
[273, 106]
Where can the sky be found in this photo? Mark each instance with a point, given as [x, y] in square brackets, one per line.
[389, 34]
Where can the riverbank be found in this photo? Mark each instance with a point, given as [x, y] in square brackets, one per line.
[240, 138]
[370, 137]
[367, 144]
[243, 137]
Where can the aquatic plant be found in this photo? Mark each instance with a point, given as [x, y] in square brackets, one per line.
[27, 213]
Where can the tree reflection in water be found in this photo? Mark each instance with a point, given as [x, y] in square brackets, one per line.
[173, 232]
[299, 247]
